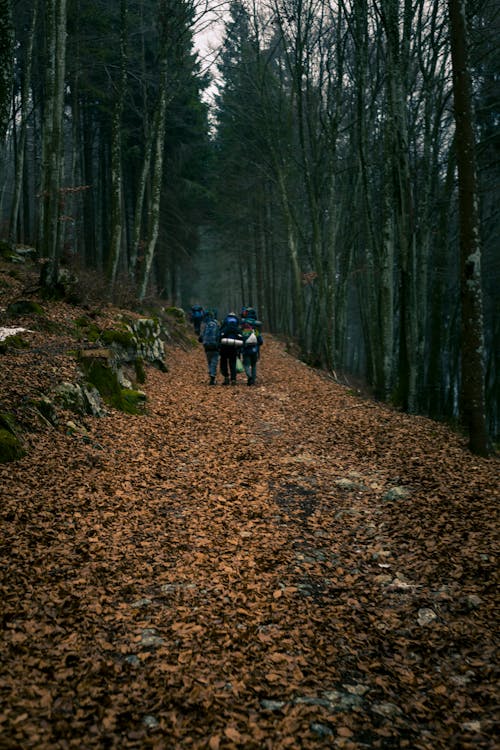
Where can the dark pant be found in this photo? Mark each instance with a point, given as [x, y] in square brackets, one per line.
[228, 361]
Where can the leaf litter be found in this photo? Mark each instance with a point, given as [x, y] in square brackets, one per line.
[263, 567]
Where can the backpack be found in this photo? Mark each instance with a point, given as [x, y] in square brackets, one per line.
[231, 335]
[196, 312]
[210, 336]
[250, 341]
[231, 324]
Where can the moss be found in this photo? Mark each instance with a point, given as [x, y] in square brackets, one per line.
[122, 338]
[24, 307]
[175, 312]
[13, 342]
[6, 249]
[105, 379]
[132, 401]
[140, 372]
[10, 447]
[87, 328]
[100, 375]
[7, 422]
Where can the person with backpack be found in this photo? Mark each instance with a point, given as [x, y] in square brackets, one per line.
[231, 342]
[252, 341]
[196, 316]
[209, 337]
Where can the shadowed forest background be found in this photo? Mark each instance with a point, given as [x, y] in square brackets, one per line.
[311, 172]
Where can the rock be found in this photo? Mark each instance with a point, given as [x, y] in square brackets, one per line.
[473, 601]
[141, 603]
[272, 705]
[24, 307]
[386, 709]
[322, 730]
[340, 701]
[150, 638]
[132, 659]
[471, 726]
[357, 689]
[426, 616]
[11, 447]
[396, 493]
[141, 339]
[79, 398]
[349, 484]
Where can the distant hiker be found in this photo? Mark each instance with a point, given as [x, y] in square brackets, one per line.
[196, 316]
[209, 337]
[231, 342]
[252, 341]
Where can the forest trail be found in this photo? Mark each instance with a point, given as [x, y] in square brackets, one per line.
[282, 566]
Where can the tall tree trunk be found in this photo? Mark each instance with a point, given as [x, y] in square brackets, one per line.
[472, 401]
[25, 89]
[6, 63]
[55, 11]
[116, 157]
[154, 208]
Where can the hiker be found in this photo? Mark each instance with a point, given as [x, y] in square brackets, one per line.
[209, 337]
[196, 316]
[231, 342]
[252, 341]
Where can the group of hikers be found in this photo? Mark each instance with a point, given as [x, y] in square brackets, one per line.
[234, 343]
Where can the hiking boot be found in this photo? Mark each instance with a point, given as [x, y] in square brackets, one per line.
[249, 381]
[226, 381]
[212, 380]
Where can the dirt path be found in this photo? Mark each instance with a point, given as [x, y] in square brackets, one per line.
[285, 566]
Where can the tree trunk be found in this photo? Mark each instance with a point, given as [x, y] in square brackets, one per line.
[6, 63]
[472, 395]
[53, 141]
[116, 157]
[25, 89]
[154, 208]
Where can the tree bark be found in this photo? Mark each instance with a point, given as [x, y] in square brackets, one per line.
[25, 89]
[472, 396]
[53, 141]
[6, 63]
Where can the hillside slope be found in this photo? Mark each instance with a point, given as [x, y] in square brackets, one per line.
[284, 566]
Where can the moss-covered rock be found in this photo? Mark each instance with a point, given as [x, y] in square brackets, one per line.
[122, 338]
[11, 447]
[13, 342]
[140, 372]
[87, 328]
[132, 402]
[99, 370]
[175, 312]
[23, 307]
[46, 407]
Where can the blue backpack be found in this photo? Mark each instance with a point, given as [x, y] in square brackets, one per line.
[210, 336]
